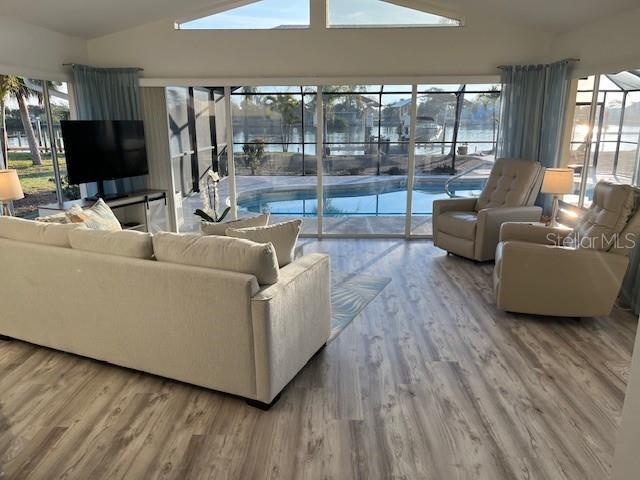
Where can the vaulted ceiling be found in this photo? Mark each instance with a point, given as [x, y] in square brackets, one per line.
[94, 18]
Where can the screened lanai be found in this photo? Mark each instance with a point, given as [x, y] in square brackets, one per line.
[605, 136]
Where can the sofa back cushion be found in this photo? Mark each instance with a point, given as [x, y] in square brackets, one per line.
[283, 236]
[54, 234]
[97, 217]
[210, 228]
[222, 253]
[127, 243]
[602, 224]
[512, 183]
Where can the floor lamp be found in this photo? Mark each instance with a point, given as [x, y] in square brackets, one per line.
[10, 190]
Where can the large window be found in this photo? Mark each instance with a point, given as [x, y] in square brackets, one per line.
[28, 141]
[377, 13]
[605, 134]
[368, 143]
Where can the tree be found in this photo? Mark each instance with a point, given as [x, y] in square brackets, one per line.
[289, 109]
[254, 154]
[17, 88]
[4, 91]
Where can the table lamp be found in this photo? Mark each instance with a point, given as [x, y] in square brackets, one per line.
[10, 189]
[557, 181]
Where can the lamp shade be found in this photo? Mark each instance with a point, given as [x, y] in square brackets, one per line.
[10, 188]
[557, 181]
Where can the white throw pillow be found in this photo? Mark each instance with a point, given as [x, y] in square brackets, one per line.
[222, 253]
[283, 236]
[210, 228]
[54, 234]
[127, 243]
[97, 217]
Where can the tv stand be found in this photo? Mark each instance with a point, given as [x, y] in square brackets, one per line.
[107, 197]
[145, 210]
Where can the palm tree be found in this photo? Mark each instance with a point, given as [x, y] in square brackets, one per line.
[3, 132]
[289, 109]
[17, 88]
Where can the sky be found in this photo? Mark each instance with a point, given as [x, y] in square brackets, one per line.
[268, 14]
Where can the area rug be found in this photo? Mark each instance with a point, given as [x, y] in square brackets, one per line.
[350, 293]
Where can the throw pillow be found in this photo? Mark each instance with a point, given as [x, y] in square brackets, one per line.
[98, 217]
[210, 228]
[222, 253]
[53, 234]
[126, 243]
[283, 236]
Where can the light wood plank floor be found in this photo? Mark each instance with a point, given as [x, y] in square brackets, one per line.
[429, 382]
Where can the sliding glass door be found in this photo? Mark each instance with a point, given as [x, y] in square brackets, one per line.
[369, 137]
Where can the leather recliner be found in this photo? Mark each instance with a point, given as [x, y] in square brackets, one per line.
[470, 227]
[571, 273]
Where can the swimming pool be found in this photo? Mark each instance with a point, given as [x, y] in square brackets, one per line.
[387, 198]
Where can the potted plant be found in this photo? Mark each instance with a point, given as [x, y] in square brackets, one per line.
[211, 199]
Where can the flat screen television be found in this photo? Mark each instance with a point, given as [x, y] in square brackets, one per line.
[99, 150]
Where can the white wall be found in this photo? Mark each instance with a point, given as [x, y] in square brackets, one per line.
[608, 45]
[626, 465]
[36, 52]
[476, 49]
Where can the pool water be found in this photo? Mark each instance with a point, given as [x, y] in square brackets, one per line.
[368, 199]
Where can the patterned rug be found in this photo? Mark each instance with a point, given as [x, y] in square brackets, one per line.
[350, 293]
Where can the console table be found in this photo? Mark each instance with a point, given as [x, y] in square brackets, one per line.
[145, 210]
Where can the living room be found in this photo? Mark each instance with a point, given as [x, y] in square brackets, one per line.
[319, 239]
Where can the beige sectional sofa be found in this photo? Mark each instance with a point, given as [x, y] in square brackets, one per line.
[214, 328]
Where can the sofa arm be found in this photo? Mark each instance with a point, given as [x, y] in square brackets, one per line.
[450, 205]
[489, 222]
[554, 280]
[533, 233]
[291, 322]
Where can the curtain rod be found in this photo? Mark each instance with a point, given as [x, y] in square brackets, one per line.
[74, 64]
[502, 67]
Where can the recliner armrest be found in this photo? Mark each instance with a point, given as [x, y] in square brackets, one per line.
[490, 221]
[467, 204]
[533, 233]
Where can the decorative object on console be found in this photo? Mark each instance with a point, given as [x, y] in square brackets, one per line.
[97, 217]
[557, 182]
[283, 236]
[220, 229]
[10, 190]
[211, 199]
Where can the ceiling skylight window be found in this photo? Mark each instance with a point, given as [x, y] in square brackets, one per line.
[259, 15]
[378, 13]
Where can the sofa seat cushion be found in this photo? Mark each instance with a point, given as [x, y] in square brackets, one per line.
[127, 243]
[610, 210]
[283, 236]
[210, 228]
[97, 217]
[219, 252]
[458, 224]
[54, 234]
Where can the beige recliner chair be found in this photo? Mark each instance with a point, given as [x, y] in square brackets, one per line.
[570, 273]
[470, 227]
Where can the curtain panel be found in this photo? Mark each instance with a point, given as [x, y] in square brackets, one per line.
[108, 94]
[534, 99]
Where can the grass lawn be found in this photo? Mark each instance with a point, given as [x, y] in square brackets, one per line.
[34, 179]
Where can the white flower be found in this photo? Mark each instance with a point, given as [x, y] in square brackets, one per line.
[227, 201]
[214, 176]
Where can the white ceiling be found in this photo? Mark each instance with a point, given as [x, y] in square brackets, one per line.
[94, 18]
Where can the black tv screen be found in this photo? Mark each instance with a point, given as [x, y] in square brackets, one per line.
[98, 150]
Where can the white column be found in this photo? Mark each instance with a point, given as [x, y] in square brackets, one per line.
[230, 160]
[319, 156]
[412, 160]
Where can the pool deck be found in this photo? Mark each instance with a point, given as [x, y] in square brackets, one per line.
[338, 225]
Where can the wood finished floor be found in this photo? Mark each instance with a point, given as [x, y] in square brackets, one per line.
[429, 382]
